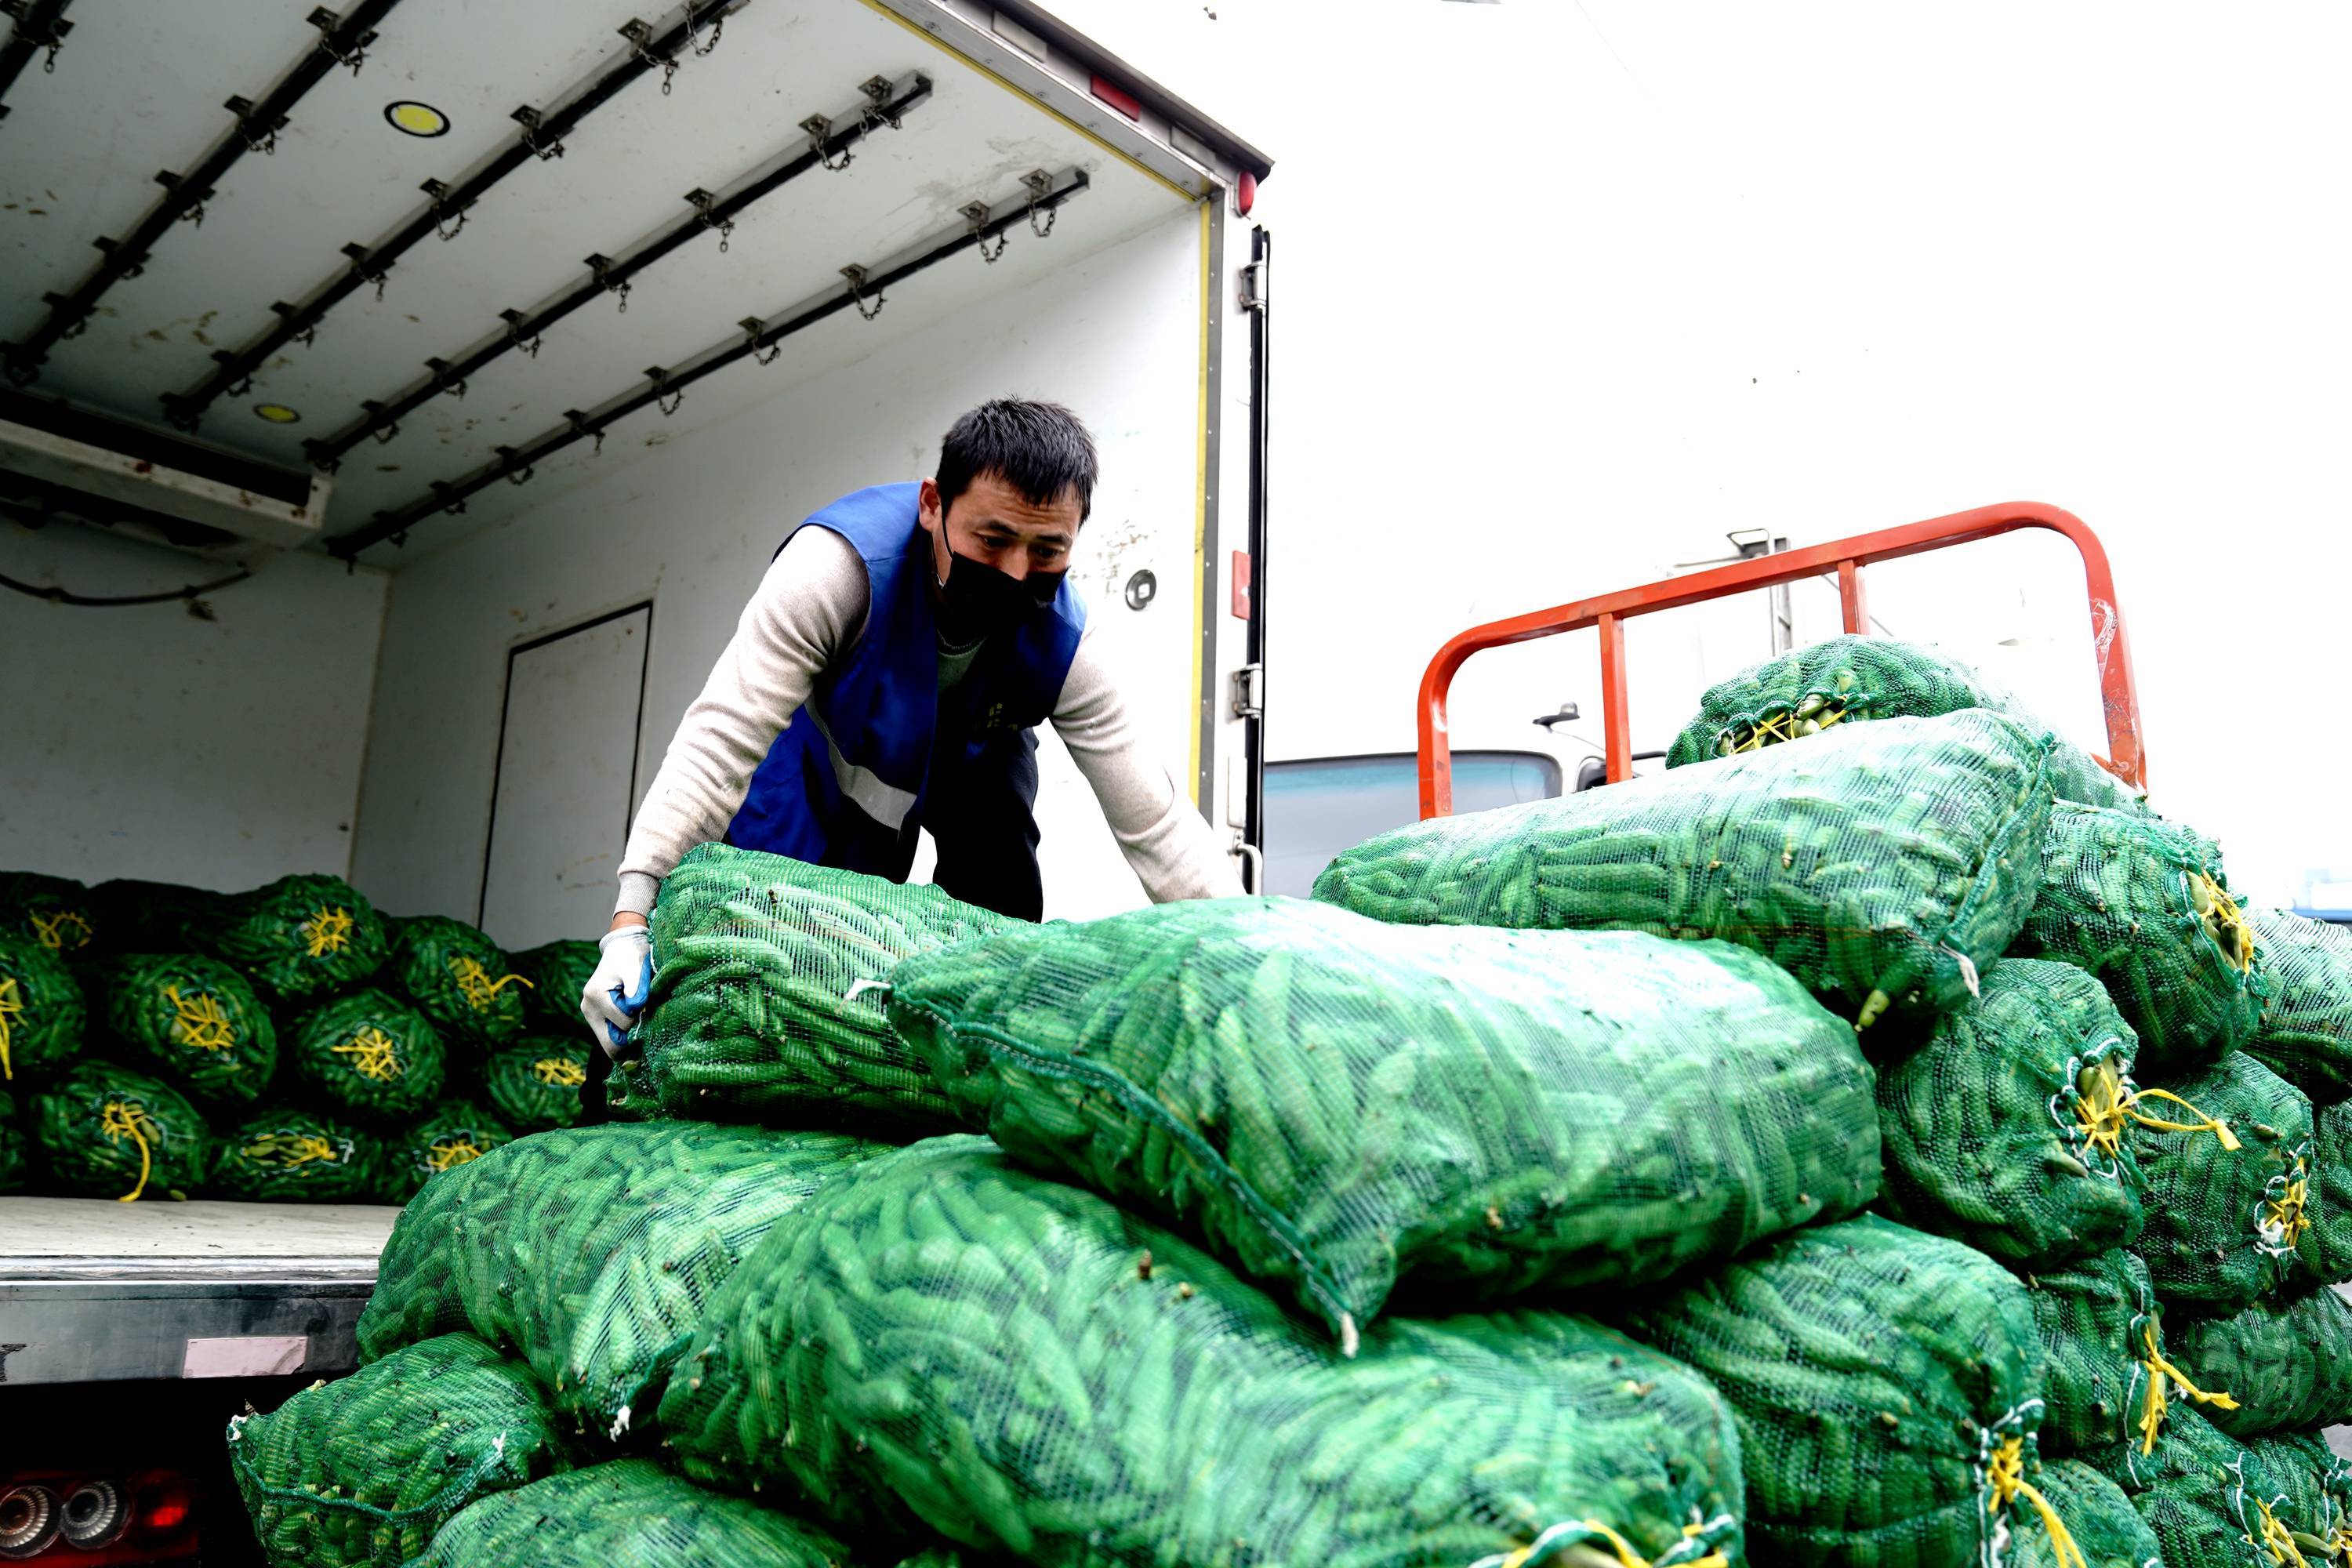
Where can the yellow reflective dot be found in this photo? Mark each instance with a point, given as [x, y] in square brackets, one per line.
[276, 413]
[416, 119]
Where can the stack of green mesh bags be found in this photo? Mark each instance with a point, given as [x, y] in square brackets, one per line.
[275, 1046]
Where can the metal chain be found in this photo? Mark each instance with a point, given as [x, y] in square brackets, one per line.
[716, 28]
[619, 287]
[819, 128]
[579, 422]
[326, 21]
[438, 192]
[704, 201]
[665, 400]
[856, 276]
[1041, 185]
[976, 214]
[514, 319]
[530, 120]
[753, 327]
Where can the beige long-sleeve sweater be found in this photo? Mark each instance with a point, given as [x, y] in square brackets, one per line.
[810, 607]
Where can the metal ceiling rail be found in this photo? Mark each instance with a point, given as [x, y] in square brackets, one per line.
[343, 42]
[884, 102]
[541, 137]
[40, 25]
[665, 386]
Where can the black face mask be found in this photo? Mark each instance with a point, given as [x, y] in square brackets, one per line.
[978, 601]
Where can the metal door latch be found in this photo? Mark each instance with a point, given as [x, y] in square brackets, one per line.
[1248, 692]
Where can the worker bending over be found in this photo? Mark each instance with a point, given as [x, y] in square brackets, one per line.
[888, 675]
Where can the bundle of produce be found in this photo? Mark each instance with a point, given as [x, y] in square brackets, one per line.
[2287, 1359]
[1851, 680]
[2107, 1381]
[535, 1083]
[2211, 1503]
[2224, 1221]
[2305, 1033]
[194, 1020]
[1335, 1104]
[1887, 1387]
[300, 937]
[558, 973]
[453, 1133]
[2014, 1127]
[41, 1010]
[155, 917]
[2105, 1529]
[110, 1132]
[629, 1093]
[593, 1253]
[56, 911]
[15, 1169]
[767, 1002]
[1883, 866]
[2326, 1253]
[288, 1155]
[458, 979]
[629, 1513]
[2143, 904]
[1023, 1367]
[371, 1057]
[2316, 1483]
[366, 1469]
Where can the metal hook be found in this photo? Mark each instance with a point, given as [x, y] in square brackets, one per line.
[439, 193]
[976, 214]
[664, 398]
[876, 90]
[579, 422]
[703, 201]
[514, 320]
[856, 276]
[265, 143]
[441, 382]
[530, 120]
[326, 21]
[1041, 185]
[601, 265]
[753, 327]
[640, 35]
[819, 130]
[716, 28]
[364, 265]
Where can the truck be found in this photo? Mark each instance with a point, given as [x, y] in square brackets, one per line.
[400, 400]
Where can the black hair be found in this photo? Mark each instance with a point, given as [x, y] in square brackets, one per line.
[1039, 448]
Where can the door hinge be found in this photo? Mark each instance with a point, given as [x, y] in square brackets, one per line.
[1248, 692]
[1253, 286]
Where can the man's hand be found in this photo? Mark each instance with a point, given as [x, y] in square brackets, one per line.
[615, 993]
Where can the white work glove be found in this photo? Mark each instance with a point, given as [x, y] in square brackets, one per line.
[615, 993]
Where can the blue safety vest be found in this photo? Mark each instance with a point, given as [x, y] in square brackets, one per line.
[858, 753]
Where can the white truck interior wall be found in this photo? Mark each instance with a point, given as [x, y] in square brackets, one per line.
[145, 741]
[692, 523]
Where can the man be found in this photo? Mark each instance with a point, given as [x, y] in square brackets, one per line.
[888, 675]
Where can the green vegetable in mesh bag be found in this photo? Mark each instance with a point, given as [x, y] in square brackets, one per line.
[767, 1002]
[591, 1253]
[453, 1133]
[288, 1155]
[1887, 1387]
[56, 911]
[15, 1169]
[2107, 1379]
[196, 1021]
[2306, 1034]
[629, 1513]
[2210, 1502]
[458, 979]
[2225, 1220]
[558, 973]
[41, 1010]
[2325, 1254]
[629, 1092]
[2143, 904]
[534, 1084]
[1025, 1367]
[110, 1132]
[365, 1469]
[2316, 1485]
[2288, 1361]
[300, 937]
[1336, 1104]
[2103, 1527]
[1883, 866]
[371, 1057]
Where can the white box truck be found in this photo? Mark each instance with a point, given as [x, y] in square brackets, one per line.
[381, 477]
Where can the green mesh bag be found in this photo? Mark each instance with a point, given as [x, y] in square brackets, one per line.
[458, 979]
[156, 917]
[2287, 1360]
[56, 911]
[371, 1057]
[2225, 1220]
[2316, 1483]
[41, 1010]
[195, 1021]
[2306, 1034]
[107, 1131]
[2101, 1523]
[629, 1094]
[1887, 1386]
[288, 1155]
[767, 1002]
[16, 1170]
[2325, 1254]
[453, 1133]
[1023, 1366]
[629, 1513]
[558, 973]
[1882, 866]
[534, 1084]
[1335, 1104]
[2210, 1502]
[2143, 904]
[299, 938]
[591, 1253]
[2108, 1379]
[2012, 1128]
[365, 1469]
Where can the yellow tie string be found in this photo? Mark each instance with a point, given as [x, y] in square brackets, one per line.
[2285, 1213]
[374, 1053]
[457, 1151]
[12, 1005]
[2224, 921]
[559, 1072]
[51, 932]
[2277, 1539]
[202, 1025]
[2005, 1477]
[328, 930]
[2161, 1372]
[474, 981]
[1618, 1547]
[289, 1149]
[120, 1120]
[2103, 1109]
[2339, 1541]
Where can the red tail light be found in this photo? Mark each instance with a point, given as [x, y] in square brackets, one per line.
[51, 1519]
